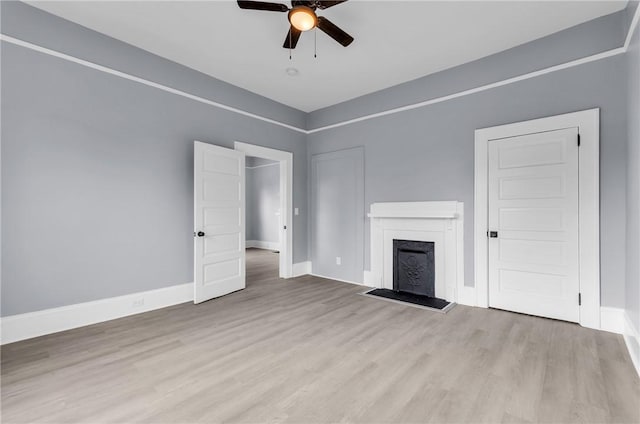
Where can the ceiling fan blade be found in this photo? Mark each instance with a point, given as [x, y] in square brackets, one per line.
[292, 38]
[322, 4]
[308, 3]
[333, 31]
[261, 5]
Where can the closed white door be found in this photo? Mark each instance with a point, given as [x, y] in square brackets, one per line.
[219, 221]
[533, 224]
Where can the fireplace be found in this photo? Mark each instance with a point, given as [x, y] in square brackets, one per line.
[414, 267]
[437, 223]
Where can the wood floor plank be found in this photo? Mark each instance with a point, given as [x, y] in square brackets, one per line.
[313, 350]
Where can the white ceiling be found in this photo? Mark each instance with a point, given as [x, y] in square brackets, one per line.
[394, 41]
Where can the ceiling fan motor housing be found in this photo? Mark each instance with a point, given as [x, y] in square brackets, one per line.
[303, 18]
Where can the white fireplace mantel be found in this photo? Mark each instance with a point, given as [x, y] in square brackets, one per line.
[425, 210]
[437, 222]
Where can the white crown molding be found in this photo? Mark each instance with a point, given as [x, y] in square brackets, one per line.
[632, 28]
[570, 64]
[48, 321]
[143, 81]
[480, 89]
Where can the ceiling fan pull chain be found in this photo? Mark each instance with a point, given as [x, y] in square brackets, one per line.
[290, 44]
[315, 42]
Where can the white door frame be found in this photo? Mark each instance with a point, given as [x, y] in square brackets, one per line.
[588, 124]
[286, 199]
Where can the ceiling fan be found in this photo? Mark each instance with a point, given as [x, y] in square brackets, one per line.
[302, 17]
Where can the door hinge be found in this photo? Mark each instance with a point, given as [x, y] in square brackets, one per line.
[579, 299]
[578, 140]
[285, 227]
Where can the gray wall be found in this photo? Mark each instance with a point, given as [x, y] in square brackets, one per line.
[262, 194]
[97, 170]
[337, 209]
[432, 147]
[97, 173]
[633, 182]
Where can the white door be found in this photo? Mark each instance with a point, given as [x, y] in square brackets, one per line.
[219, 221]
[533, 224]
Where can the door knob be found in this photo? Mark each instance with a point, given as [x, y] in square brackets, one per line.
[493, 234]
[200, 233]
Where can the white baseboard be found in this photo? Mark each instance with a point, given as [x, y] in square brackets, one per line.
[259, 244]
[35, 324]
[632, 340]
[612, 319]
[369, 279]
[301, 268]
[617, 320]
[467, 296]
[337, 279]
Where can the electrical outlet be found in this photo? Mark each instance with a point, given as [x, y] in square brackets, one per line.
[296, 211]
[338, 260]
[138, 303]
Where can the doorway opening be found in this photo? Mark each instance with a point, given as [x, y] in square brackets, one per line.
[262, 217]
[269, 206]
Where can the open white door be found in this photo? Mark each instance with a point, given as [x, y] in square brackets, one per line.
[219, 221]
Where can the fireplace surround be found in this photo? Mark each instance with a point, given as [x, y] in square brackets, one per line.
[439, 223]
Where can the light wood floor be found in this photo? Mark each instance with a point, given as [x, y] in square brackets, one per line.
[310, 350]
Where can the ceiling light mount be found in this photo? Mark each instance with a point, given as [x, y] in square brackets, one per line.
[292, 72]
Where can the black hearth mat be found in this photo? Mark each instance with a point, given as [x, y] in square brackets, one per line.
[416, 299]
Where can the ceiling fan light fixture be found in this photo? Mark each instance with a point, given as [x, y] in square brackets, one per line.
[303, 18]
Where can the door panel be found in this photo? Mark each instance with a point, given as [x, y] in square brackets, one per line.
[531, 186]
[220, 187]
[533, 206]
[337, 224]
[537, 252]
[228, 216]
[221, 243]
[531, 219]
[219, 214]
[533, 153]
